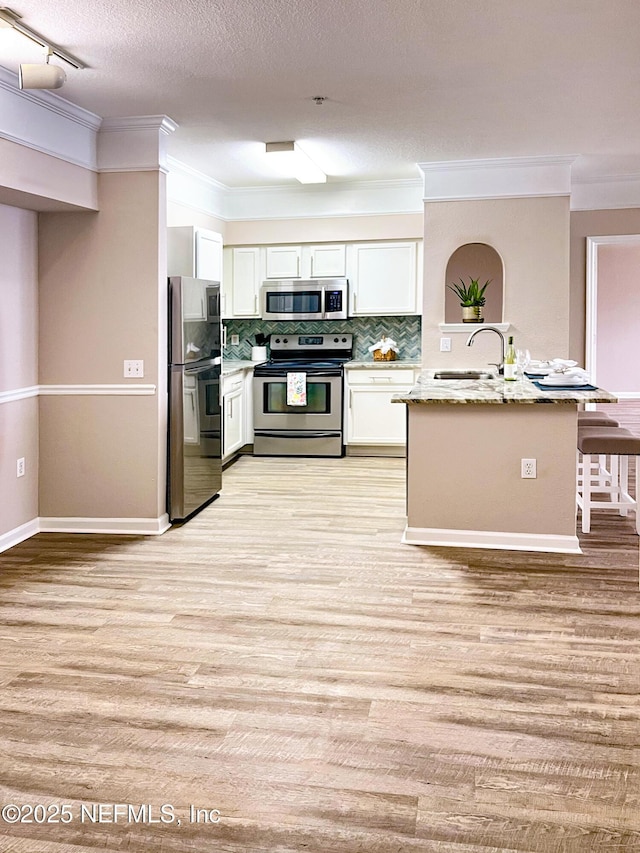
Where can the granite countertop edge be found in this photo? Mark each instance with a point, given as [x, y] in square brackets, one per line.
[430, 391]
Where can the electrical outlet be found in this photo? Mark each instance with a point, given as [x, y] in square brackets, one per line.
[20, 467]
[445, 344]
[528, 469]
[235, 340]
[133, 368]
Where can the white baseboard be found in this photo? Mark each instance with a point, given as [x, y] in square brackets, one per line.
[491, 539]
[139, 526]
[133, 526]
[19, 534]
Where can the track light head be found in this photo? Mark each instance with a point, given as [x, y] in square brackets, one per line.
[41, 77]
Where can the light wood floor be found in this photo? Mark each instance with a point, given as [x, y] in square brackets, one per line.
[283, 659]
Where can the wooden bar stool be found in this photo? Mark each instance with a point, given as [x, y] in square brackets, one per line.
[618, 444]
[596, 419]
[600, 474]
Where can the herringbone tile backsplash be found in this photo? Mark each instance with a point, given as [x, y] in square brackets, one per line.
[405, 331]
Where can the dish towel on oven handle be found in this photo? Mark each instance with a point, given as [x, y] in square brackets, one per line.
[296, 389]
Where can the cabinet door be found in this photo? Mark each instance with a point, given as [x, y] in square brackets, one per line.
[328, 261]
[284, 261]
[246, 280]
[374, 419]
[208, 255]
[371, 416]
[384, 278]
[234, 417]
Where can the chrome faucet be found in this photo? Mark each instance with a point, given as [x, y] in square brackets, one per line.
[500, 335]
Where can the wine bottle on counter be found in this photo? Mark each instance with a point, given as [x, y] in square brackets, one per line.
[510, 360]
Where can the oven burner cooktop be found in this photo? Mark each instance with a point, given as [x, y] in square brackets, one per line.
[310, 354]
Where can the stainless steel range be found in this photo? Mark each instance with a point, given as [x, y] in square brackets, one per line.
[298, 396]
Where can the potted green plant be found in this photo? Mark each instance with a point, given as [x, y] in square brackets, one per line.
[472, 299]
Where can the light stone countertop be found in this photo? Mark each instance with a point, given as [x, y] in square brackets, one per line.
[493, 391]
[383, 365]
[232, 365]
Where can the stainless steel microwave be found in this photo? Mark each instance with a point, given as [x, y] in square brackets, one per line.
[316, 299]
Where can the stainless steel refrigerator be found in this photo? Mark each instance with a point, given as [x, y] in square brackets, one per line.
[195, 417]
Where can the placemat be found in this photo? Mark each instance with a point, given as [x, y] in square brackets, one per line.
[565, 387]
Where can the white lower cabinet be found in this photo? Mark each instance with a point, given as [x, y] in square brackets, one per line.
[237, 402]
[371, 417]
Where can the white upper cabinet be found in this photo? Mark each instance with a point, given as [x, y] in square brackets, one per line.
[384, 278]
[194, 252]
[208, 255]
[284, 262]
[324, 261]
[243, 275]
[321, 261]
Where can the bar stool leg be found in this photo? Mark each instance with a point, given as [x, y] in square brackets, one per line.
[623, 482]
[586, 492]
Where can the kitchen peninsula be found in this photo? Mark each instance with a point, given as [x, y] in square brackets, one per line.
[465, 442]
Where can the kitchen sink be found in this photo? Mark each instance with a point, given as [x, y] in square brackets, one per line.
[464, 374]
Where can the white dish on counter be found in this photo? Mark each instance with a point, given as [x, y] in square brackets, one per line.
[562, 379]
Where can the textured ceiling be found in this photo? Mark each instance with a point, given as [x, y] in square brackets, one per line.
[406, 80]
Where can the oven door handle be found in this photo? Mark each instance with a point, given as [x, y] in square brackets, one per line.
[310, 376]
[292, 433]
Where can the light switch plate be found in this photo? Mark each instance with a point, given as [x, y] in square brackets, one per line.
[445, 344]
[235, 340]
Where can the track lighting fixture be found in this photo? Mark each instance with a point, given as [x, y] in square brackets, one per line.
[39, 76]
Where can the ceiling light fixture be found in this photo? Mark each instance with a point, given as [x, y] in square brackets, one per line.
[294, 162]
[39, 76]
[42, 76]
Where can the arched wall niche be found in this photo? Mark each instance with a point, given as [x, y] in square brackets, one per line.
[478, 261]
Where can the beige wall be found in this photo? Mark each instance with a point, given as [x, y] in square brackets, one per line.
[591, 223]
[532, 237]
[103, 294]
[482, 489]
[39, 181]
[401, 226]
[18, 365]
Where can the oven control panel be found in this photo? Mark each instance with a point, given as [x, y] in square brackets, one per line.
[311, 343]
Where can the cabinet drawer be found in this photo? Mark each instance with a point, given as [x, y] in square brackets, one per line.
[381, 377]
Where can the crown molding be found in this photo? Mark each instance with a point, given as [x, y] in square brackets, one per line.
[605, 192]
[189, 187]
[47, 123]
[134, 143]
[494, 163]
[177, 166]
[50, 101]
[162, 123]
[503, 177]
